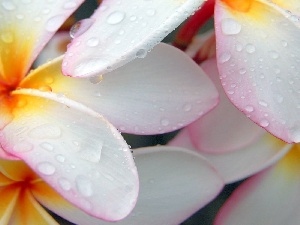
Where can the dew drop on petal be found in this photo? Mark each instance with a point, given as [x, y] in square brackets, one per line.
[22, 146]
[230, 26]
[249, 108]
[64, 184]
[264, 123]
[115, 17]
[92, 42]
[46, 168]
[141, 53]
[224, 57]
[96, 79]
[8, 5]
[60, 158]
[46, 146]
[84, 186]
[80, 27]
[250, 48]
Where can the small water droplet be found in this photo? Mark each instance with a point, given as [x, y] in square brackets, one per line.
[84, 185]
[7, 37]
[47, 146]
[64, 184]
[141, 53]
[187, 107]
[165, 122]
[249, 108]
[224, 57]
[8, 5]
[80, 27]
[22, 146]
[92, 42]
[230, 26]
[250, 48]
[115, 17]
[96, 79]
[263, 103]
[45, 131]
[151, 12]
[264, 123]
[274, 54]
[60, 158]
[46, 168]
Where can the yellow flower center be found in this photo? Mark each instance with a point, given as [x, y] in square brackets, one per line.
[239, 5]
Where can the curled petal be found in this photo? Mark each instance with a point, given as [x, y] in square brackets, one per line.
[121, 32]
[258, 60]
[75, 150]
[269, 198]
[162, 92]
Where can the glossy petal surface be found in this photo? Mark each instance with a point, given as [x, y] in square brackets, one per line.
[75, 150]
[270, 198]
[122, 31]
[162, 92]
[25, 28]
[224, 128]
[258, 60]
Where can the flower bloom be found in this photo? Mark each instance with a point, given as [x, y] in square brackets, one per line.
[238, 149]
[22, 191]
[258, 60]
[62, 127]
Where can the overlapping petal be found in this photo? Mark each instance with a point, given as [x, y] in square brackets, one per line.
[75, 150]
[170, 189]
[210, 132]
[9, 198]
[122, 31]
[25, 28]
[291, 5]
[258, 60]
[162, 92]
[270, 198]
[239, 164]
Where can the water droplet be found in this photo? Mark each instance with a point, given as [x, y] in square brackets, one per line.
[151, 12]
[263, 103]
[230, 26]
[141, 53]
[80, 27]
[22, 146]
[54, 23]
[115, 17]
[165, 122]
[64, 184]
[224, 57]
[60, 158]
[45, 131]
[92, 42]
[250, 48]
[249, 108]
[8, 5]
[7, 37]
[84, 186]
[46, 168]
[187, 107]
[274, 54]
[96, 79]
[47, 146]
[264, 123]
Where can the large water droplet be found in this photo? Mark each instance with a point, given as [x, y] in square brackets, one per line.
[80, 27]
[141, 53]
[84, 186]
[230, 26]
[46, 168]
[115, 17]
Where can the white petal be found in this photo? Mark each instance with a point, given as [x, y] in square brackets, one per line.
[76, 151]
[258, 59]
[162, 92]
[122, 31]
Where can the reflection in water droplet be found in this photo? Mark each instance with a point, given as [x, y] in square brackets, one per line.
[80, 27]
[46, 168]
[115, 17]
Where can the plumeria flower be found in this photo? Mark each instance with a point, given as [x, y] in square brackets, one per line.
[238, 149]
[22, 191]
[62, 127]
[258, 59]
